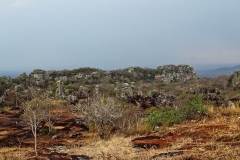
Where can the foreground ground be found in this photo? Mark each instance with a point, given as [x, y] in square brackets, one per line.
[216, 136]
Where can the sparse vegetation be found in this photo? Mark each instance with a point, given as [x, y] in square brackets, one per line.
[183, 118]
[34, 114]
[170, 116]
[103, 112]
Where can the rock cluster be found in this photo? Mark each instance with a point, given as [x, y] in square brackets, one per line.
[172, 73]
[90, 76]
[235, 80]
[125, 81]
[209, 93]
[158, 99]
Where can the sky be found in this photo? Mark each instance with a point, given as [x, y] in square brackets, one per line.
[115, 34]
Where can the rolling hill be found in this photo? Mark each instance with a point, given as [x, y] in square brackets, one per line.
[217, 72]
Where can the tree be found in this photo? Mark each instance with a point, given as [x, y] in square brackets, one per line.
[34, 114]
[103, 113]
[53, 112]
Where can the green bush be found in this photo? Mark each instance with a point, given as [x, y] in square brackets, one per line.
[71, 87]
[194, 109]
[170, 116]
[44, 131]
[165, 118]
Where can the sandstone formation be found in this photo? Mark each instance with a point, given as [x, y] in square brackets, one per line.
[235, 80]
[42, 78]
[171, 73]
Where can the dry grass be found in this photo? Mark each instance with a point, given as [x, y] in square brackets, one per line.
[115, 148]
[221, 123]
[14, 153]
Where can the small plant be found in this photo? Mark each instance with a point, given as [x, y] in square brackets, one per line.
[3, 109]
[194, 109]
[170, 116]
[44, 131]
[165, 118]
[71, 87]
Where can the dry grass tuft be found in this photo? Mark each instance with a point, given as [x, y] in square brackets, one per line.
[115, 148]
[221, 124]
[14, 153]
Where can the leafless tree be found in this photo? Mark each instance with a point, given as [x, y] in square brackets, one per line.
[103, 113]
[54, 111]
[34, 114]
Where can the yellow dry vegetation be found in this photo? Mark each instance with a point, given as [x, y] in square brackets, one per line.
[222, 125]
[14, 153]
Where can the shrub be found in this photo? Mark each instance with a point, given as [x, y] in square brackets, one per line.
[170, 116]
[103, 113]
[71, 87]
[131, 122]
[194, 109]
[44, 131]
[165, 118]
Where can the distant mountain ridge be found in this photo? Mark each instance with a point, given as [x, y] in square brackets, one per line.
[217, 72]
[12, 74]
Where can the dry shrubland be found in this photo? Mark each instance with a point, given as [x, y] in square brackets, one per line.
[190, 129]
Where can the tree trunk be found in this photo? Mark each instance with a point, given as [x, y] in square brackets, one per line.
[35, 135]
[102, 135]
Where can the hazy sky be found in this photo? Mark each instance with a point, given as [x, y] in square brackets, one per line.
[115, 34]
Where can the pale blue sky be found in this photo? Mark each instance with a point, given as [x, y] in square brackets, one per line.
[115, 34]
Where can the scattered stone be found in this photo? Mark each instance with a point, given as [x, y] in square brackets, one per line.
[75, 135]
[55, 136]
[59, 149]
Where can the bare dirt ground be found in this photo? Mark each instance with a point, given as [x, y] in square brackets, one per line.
[217, 136]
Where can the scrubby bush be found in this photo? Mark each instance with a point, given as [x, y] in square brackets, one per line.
[71, 88]
[165, 118]
[194, 109]
[169, 116]
[103, 113]
[132, 123]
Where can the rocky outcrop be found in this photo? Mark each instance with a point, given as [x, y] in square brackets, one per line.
[41, 78]
[172, 73]
[167, 73]
[5, 83]
[91, 76]
[234, 80]
[125, 81]
[164, 100]
[158, 99]
[208, 93]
